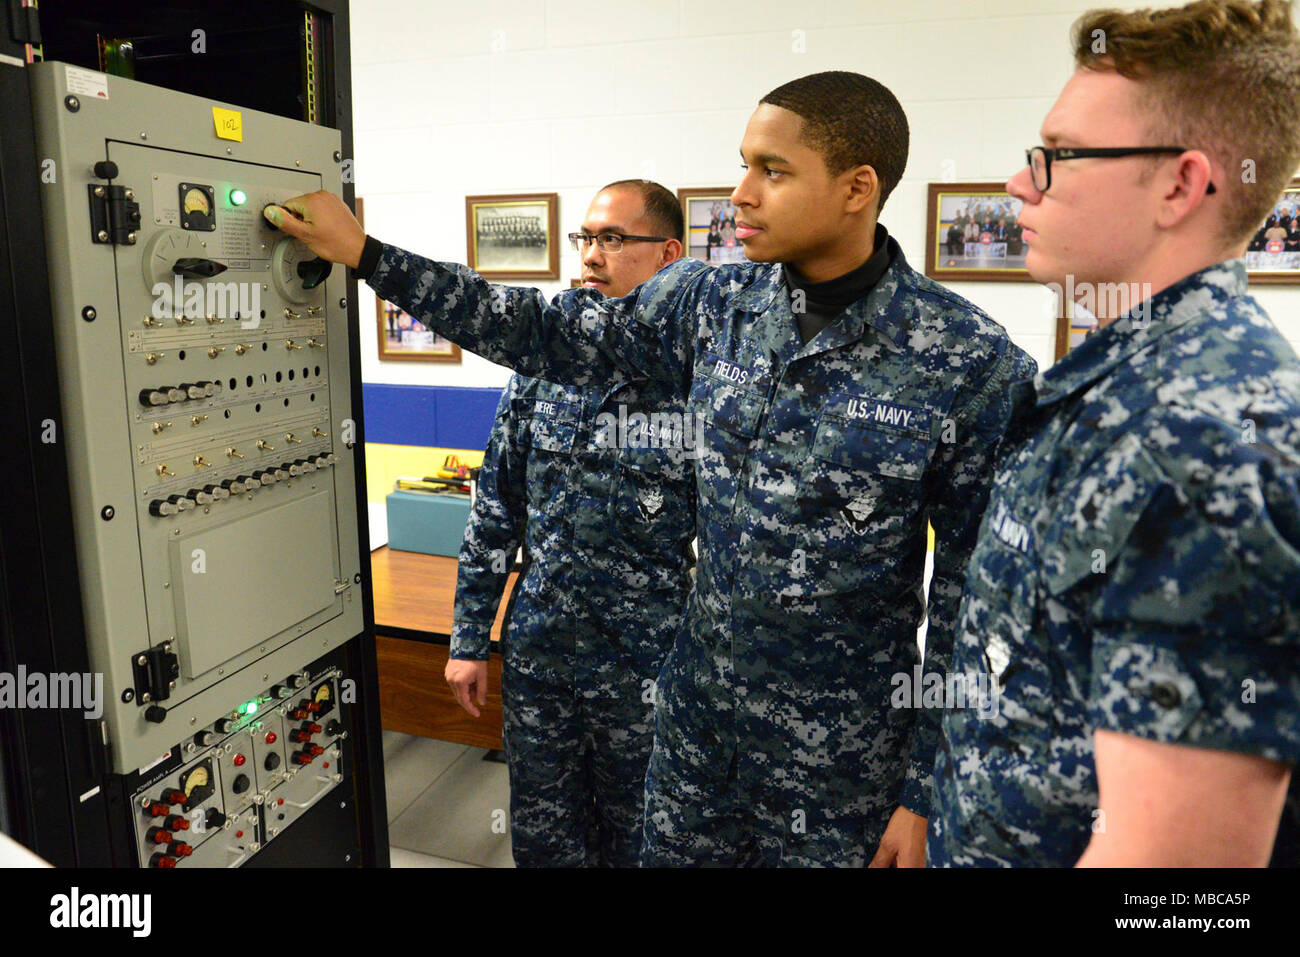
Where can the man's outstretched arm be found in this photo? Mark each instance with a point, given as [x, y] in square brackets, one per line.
[578, 338]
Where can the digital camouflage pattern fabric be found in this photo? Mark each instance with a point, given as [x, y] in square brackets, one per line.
[607, 536]
[817, 469]
[1138, 570]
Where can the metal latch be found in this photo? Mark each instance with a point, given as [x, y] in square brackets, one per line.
[114, 214]
[341, 585]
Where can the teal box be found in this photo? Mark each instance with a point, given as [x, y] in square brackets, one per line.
[427, 522]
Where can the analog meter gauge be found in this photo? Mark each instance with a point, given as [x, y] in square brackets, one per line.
[197, 785]
[197, 210]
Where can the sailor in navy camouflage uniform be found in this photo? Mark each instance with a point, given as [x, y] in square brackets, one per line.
[1135, 591]
[840, 400]
[606, 521]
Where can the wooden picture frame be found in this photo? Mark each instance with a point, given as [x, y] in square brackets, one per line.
[997, 235]
[403, 338]
[439, 349]
[501, 233]
[700, 206]
[1069, 333]
[1262, 264]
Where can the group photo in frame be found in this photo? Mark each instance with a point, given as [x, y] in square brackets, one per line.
[1273, 253]
[710, 220]
[971, 234]
[513, 235]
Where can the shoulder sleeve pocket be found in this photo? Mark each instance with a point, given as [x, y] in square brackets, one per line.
[1095, 517]
[1141, 689]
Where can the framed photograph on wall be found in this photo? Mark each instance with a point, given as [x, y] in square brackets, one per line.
[710, 226]
[971, 234]
[1273, 254]
[1072, 326]
[514, 236]
[404, 338]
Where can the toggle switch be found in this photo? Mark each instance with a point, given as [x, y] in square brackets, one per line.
[265, 446]
[159, 426]
[163, 470]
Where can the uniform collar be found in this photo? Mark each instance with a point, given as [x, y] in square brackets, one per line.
[882, 307]
[1106, 348]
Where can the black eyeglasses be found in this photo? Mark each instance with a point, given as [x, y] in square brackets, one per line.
[1040, 159]
[610, 242]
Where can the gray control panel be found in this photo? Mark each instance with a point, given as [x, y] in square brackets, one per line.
[220, 796]
[205, 384]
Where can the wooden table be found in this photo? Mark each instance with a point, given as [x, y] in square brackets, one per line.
[414, 598]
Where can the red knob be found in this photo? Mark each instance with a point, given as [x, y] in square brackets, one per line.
[172, 796]
[312, 727]
[239, 760]
[175, 822]
[162, 860]
[157, 809]
[314, 749]
[299, 714]
[300, 758]
[270, 737]
[157, 835]
[180, 849]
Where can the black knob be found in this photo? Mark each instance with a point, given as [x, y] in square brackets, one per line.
[272, 761]
[106, 169]
[333, 728]
[214, 818]
[153, 397]
[155, 713]
[160, 508]
[204, 738]
[294, 681]
[223, 725]
[240, 784]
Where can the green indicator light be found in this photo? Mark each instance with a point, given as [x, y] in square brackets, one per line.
[238, 197]
[250, 707]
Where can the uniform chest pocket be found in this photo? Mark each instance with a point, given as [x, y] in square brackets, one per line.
[650, 504]
[549, 456]
[552, 434]
[727, 407]
[869, 448]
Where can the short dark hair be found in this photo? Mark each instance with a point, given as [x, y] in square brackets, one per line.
[852, 120]
[1222, 76]
[661, 205]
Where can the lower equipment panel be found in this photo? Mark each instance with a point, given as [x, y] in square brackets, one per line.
[221, 796]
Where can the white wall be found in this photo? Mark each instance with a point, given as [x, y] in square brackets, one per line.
[453, 98]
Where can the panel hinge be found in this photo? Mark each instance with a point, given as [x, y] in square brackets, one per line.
[341, 585]
[114, 214]
[154, 672]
